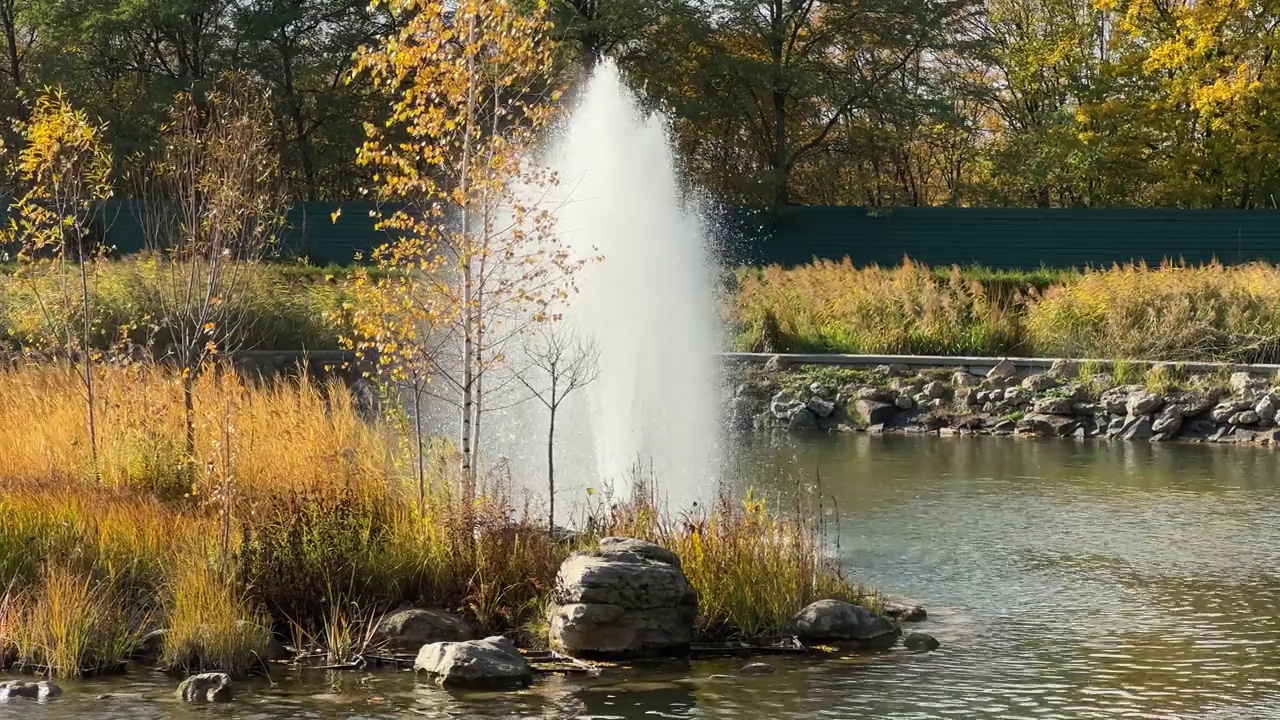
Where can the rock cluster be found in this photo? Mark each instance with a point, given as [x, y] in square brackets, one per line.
[1058, 403]
[42, 690]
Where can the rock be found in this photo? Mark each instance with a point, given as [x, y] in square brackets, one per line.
[1116, 400]
[627, 598]
[1222, 413]
[742, 413]
[1082, 432]
[802, 419]
[1222, 434]
[150, 645]
[962, 379]
[821, 406]
[408, 629]
[777, 363]
[904, 403]
[877, 429]
[1003, 369]
[1116, 425]
[1017, 397]
[1143, 403]
[982, 397]
[1244, 384]
[935, 390]
[1039, 383]
[894, 370]
[876, 394]
[1169, 421]
[871, 412]
[206, 688]
[1046, 425]
[920, 642]
[1064, 369]
[1266, 407]
[1194, 404]
[489, 663]
[1004, 427]
[42, 690]
[1137, 428]
[757, 668]
[721, 676]
[905, 613]
[1248, 417]
[817, 389]
[781, 405]
[834, 620]
[1054, 406]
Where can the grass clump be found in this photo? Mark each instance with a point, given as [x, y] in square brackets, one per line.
[211, 624]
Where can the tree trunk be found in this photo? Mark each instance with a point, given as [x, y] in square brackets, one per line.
[468, 282]
[781, 180]
[87, 361]
[189, 409]
[300, 138]
[551, 472]
[417, 437]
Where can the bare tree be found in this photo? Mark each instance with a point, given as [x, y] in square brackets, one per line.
[212, 207]
[560, 362]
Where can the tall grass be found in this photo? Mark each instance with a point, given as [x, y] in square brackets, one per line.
[297, 518]
[284, 308]
[1137, 312]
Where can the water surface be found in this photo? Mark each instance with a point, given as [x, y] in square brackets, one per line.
[1066, 580]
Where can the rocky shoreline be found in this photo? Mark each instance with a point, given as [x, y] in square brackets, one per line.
[1070, 400]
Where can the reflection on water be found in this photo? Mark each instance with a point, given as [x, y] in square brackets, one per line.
[1065, 580]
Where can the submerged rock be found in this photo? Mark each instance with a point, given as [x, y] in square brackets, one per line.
[757, 668]
[838, 621]
[903, 612]
[489, 663]
[920, 642]
[628, 598]
[408, 629]
[206, 688]
[42, 690]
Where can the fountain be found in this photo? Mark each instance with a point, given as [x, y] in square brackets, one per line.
[647, 303]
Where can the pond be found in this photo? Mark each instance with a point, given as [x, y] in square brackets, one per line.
[1065, 580]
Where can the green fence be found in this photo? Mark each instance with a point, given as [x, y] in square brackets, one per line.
[1009, 237]
[996, 237]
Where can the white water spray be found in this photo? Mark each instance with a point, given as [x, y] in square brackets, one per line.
[648, 304]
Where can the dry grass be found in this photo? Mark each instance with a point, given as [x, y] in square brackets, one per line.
[296, 517]
[1137, 312]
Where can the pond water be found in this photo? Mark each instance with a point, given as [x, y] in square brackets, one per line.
[1065, 580]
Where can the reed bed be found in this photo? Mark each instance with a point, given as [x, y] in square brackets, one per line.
[1172, 312]
[297, 519]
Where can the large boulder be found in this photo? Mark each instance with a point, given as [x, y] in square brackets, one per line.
[1116, 400]
[42, 690]
[1169, 421]
[1004, 369]
[1143, 402]
[1054, 406]
[489, 663]
[1039, 383]
[1243, 384]
[1046, 425]
[206, 688]
[408, 629]
[627, 598]
[872, 412]
[838, 621]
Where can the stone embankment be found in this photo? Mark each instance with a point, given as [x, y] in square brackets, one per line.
[1223, 407]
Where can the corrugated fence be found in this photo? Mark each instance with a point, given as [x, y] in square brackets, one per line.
[996, 237]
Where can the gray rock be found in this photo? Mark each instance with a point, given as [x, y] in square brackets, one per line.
[962, 379]
[1243, 384]
[408, 629]
[802, 419]
[1267, 406]
[1144, 403]
[1222, 434]
[1223, 413]
[893, 370]
[1116, 425]
[742, 413]
[42, 690]
[1195, 404]
[1116, 400]
[903, 612]
[625, 599]
[920, 642]
[614, 545]
[1017, 397]
[1003, 369]
[206, 688]
[935, 390]
[1054, 406]
[1137, 428]
[982, 397]
[1004, 427]
[904, 402]
[1064, 369]
[819, 390]
[757, 668]
[837, 621]
[821, 407]
[489, 663]
[1169, 421]
[876, 394]
[777, 363]
[1248, 417]
[782, 404]
[150, 645]
[1046, 425]
[1039, 383]
[871, 412]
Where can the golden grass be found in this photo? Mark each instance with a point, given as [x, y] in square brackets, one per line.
[294, 514]
[1137, 312]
